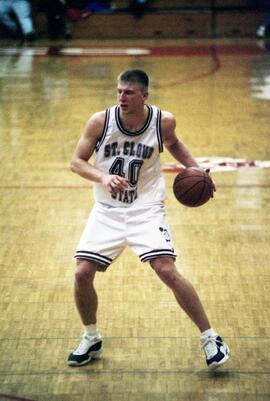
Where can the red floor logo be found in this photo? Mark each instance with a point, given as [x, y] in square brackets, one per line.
[216, 164]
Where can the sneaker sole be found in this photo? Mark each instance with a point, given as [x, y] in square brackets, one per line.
[216, 365]
[92, 355]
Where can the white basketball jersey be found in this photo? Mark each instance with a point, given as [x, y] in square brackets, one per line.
[133, 155]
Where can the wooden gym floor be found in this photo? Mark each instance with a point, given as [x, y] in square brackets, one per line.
[219, 92]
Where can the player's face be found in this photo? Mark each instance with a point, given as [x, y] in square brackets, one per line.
[131, 96]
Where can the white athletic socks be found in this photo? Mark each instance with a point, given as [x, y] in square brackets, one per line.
[91, 329]
[209, 333]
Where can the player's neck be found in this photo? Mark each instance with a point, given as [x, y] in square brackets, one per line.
[134, 121]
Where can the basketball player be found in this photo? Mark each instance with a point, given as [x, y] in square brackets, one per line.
[130, 191]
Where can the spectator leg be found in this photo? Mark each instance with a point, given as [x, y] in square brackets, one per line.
[22, 10]
[6, 17]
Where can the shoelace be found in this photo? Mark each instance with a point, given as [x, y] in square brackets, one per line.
[210, 347]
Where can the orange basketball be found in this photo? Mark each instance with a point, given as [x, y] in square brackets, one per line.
[193, 187]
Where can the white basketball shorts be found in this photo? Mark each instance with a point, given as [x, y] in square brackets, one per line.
[110, 229]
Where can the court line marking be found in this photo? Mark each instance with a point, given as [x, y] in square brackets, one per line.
[82, 372]
[132, 338]
[133, 51]
[216, 66]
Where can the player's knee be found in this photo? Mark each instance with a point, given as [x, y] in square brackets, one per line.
[85, 272]
[165, 271]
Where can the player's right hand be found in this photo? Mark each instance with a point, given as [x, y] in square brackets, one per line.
[114, 183]
[214, 188]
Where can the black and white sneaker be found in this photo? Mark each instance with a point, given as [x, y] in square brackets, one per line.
[216, 351]
[90, 348]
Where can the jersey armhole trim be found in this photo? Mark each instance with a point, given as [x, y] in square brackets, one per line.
[105, 128]
[159, 136]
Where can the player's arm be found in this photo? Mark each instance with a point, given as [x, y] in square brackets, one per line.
[84, 150]
[176, 147]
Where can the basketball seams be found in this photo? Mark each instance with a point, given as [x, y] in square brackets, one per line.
[206, 188]
[197, 201]
[191, 188]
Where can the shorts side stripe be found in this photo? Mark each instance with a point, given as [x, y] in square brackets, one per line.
[104, 260]
[157, 253]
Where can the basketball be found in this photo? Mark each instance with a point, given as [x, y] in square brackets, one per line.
[193, 187]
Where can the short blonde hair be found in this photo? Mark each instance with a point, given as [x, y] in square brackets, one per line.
[135, 76]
